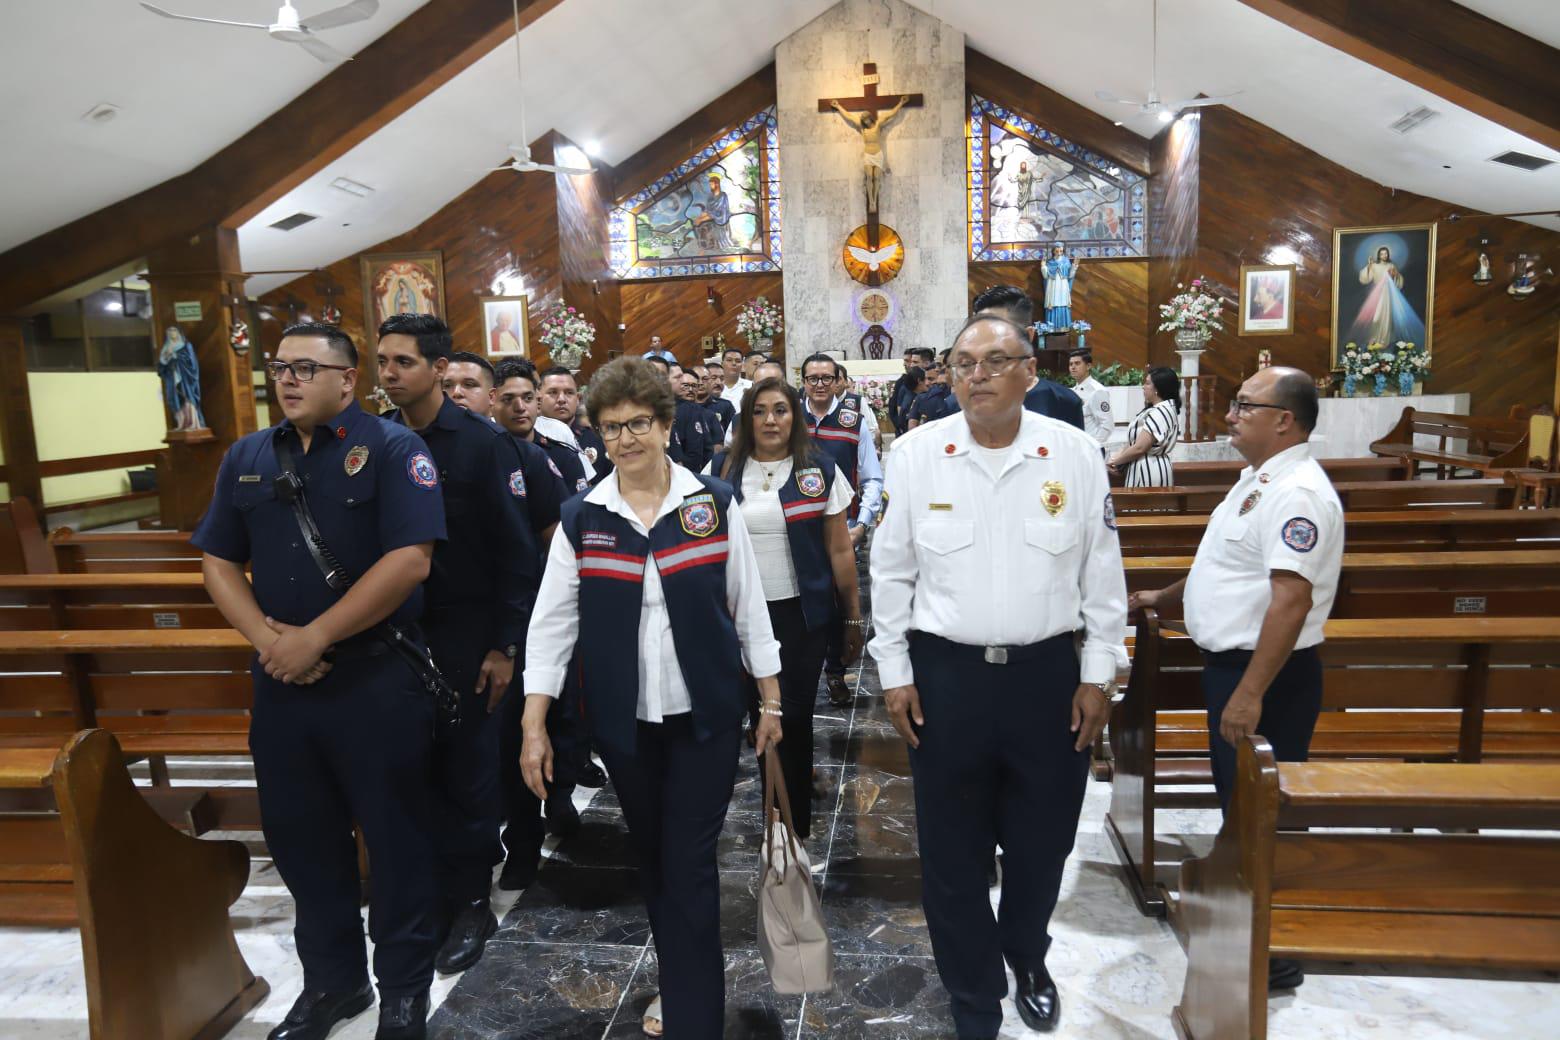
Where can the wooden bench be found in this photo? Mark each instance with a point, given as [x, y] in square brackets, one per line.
[1419, 689]
[1422, 530]
[131, 552]
[1462, 442]
[1443, 900]
[1225, 473]
[160, 957]
[106, 600]
[1363, 496]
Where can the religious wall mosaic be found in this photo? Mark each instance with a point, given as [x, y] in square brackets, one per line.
[1030, 189]
[716, 212]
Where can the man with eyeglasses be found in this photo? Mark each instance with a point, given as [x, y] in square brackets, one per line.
[1262, 585]
[999, 608]
[342, 728]
[1044, 396]
[479, 598]
[696, 435]
[838, 429]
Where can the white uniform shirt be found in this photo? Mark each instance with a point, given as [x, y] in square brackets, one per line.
[555, 621]
[734, 393]
[1284, 516]
[998, 562]
[1098, 420]
[765, 520]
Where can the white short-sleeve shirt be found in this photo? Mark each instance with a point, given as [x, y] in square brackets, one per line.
[1282, 516]
[766, 523]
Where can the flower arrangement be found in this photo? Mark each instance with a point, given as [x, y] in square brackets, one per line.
[1195, 311]
[1413, 365]
[758, 319]
[568, 336]
[876, 391]
[1080, 326]
[1045, 328]
[1375, 363]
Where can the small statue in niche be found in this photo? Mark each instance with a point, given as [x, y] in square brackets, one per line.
[1483, 275]
[180, 374]
[1060, 271]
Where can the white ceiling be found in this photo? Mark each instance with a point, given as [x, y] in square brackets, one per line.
[623, 72]
[184, 91]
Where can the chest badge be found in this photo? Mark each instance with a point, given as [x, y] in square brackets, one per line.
[810, 482]
[1263, 478]
[1250, 503]
[1053, 496]
[356, 459]
[849, 418]
[698, 516]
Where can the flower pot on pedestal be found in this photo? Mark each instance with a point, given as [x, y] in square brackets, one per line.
[762, 344]
[1378, 386]
[1350, 384]
[1190, 339]
[1405, 384]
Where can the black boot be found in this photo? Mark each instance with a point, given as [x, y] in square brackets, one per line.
[839, 694]
[1284, 973]
[591, 775]
[316, 1011]
[469, 933]
[403, 1018]
[1038, 1003]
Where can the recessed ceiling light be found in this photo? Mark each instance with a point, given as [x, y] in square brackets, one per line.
[100, 114]
[593, 148]
[351, 187]
[1165, 115]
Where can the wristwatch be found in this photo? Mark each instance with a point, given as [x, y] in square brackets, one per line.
[1107, 688]
[510, 651]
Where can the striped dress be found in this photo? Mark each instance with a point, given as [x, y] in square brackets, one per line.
[1154, 469]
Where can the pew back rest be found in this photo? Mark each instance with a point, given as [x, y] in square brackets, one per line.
[128, 552]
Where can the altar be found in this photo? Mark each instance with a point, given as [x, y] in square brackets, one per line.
[1347, 426]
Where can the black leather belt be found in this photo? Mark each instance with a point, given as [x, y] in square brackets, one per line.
[994, 654]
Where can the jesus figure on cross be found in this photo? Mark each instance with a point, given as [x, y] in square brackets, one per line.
[874, 161]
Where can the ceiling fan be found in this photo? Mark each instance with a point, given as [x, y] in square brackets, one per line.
[1154, 105]
[522, 161]
[290, 29]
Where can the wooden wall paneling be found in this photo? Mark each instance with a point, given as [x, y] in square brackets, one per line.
[1111, 295]
[587, 282]
[677, 310]
[17, 434]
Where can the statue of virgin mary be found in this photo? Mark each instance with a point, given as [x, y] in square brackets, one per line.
[1060, 270]
[180, 374]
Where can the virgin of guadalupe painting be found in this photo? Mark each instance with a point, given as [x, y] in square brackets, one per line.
[1383, 285]
[401, 283]
[717, 212]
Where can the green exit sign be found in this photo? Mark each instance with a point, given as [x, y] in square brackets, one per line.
[186, 310]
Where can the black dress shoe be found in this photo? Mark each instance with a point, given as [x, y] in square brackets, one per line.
[519, 871]
[592, 775]
[839, 693]
[316, 1011]
[563, 819]
[1038, 1003]
[403, 1018]
[468, 937]
[1284, 974]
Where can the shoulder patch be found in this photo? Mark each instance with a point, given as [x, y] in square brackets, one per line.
[1104, 406]
[582, 485]
[1300, 534]
[517, 483]
[554, 467]
[1110, 512]
[422, 470]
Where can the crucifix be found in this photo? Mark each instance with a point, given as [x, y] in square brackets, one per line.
[870, 125]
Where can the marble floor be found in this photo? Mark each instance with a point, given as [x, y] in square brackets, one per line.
[572, 957]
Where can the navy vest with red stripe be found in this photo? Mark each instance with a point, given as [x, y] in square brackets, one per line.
[690, 550]
[838, 435]
[803, 499]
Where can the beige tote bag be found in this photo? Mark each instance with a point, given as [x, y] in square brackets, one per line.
[791, 935]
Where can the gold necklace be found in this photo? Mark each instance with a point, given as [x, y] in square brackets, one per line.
[769, 474]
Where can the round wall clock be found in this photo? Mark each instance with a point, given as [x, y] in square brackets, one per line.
[874, 266]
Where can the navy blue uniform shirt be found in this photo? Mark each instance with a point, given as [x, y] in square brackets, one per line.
[371, 485]
[565, 463]
[724, 411]
[491, 562]
[595, 449]
[545, 492]
[934, 404]
[1055, 400]
[694, 437]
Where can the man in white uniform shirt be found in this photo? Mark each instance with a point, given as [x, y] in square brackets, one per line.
[999, 605]
[733, 386]
[1262, 585]
[1098, 422]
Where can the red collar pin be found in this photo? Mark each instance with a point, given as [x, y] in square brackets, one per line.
[341, 433]
[949, 449]
[1043, 452]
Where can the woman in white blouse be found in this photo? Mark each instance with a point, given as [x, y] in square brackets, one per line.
[794, 502]
[652, 575]
[1153, 433]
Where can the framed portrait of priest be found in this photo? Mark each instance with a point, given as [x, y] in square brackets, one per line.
[401, 283]
[1267, 299]
[504, 323]
[1383, 286]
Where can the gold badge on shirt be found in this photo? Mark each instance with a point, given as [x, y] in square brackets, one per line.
[1250, 503]
[356, 459]
[1053, 496]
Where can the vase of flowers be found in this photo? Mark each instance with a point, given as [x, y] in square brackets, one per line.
[1079, 328]
[760, 321]
[1413, 364]
[568, 336]
[1193, 315]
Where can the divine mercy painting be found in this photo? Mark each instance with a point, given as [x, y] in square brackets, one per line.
[1383, 286]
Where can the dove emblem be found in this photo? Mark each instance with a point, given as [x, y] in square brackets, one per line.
[873, 262]
[874, 258]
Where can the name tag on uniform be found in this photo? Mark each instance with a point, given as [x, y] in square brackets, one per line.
[940, 507]
[249, 478]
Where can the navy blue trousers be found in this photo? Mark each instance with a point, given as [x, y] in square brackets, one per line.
[355, 747]
[996, 765]
[1289, 709]
[674, 790]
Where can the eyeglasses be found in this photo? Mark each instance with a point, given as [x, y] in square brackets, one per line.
[818, 380]
[302, 371]
[639, 425]
[995, 365]
[1244, 408]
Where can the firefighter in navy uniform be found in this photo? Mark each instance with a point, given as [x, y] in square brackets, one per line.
[479, 597]
[342, 725]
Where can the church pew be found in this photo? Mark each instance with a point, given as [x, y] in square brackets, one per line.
[1224, 473]
[1423, 530]
[1460, 689]
[157, 943]
[1444, 900]
[1357, 497]
[123, 552]
[1463, 442]
[106, 600]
